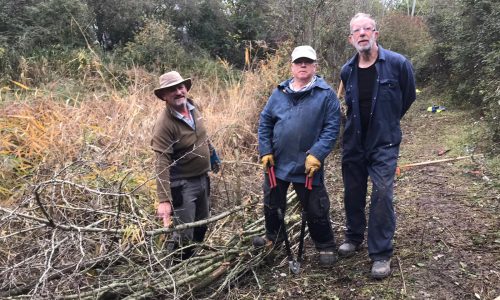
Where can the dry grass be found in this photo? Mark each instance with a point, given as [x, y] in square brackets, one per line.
[48, 133]
[47, 129]
[232, 106]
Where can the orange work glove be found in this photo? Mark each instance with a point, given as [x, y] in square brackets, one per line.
[312, 165]
[267, 160]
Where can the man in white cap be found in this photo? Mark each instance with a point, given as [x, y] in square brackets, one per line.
[298, 128]
[183, 159]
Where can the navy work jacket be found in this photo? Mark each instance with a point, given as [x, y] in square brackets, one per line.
[393, 94]
[294, 124]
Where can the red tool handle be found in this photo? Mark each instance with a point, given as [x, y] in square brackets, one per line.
[309, 183]
[272, 177]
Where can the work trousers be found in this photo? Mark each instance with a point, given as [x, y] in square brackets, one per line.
[318, 212]
[190, 201]
[382, 220]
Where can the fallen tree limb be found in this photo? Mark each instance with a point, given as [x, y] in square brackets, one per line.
[158, 231]
[224, 265]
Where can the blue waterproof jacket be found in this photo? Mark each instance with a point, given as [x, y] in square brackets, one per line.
[294, 124]
[393, 94]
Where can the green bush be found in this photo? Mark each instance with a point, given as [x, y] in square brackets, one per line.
[489, 89]
[466, 58]
[155, 48]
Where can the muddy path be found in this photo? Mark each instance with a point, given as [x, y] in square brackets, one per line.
[447, 242]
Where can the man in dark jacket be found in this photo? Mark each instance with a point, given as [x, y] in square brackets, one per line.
[183, 159]
[379, 89]
[297, 130]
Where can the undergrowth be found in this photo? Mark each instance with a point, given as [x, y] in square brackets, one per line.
[50, 126]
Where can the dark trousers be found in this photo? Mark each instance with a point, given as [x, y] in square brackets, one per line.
[318, 212]
[190, 201]
[382, 220]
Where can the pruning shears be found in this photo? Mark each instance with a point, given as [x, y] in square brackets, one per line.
[293, 265]
[272, 177]
[305, 204]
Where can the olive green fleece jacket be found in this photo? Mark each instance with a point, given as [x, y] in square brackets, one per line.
[181, 152]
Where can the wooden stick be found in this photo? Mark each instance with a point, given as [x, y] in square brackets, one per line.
[431, 162]
[402, 276]
[340, 90]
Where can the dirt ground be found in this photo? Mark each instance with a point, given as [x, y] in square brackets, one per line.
[447, 242]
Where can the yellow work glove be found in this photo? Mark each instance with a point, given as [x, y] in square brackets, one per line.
[312, 165]
[267, 160]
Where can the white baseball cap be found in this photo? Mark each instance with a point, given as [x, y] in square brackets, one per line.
[303, 51]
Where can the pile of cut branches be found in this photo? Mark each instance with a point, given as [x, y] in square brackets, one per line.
[68, 240]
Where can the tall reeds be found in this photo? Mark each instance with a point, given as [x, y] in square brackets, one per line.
[50, 127]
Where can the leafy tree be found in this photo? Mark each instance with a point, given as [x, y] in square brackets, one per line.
[250, 21]
[11, 20]
[201, 25]
[210, 30]
[57, 22]
[249, 18]
[25, 25]
[117, 20]
[39, 31]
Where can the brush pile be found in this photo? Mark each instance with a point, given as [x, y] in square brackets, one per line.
[66, 240]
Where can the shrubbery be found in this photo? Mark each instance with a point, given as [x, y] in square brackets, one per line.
[155, 48]
[466, 61]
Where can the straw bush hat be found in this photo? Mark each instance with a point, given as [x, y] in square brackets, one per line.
[170, 79]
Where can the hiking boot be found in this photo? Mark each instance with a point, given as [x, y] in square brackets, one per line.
[271, 249]
[188, 252]
[381, 268]
[348, 249]
[261, 241]
[327, 258]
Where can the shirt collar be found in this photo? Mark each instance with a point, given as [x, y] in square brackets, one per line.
[190, 107]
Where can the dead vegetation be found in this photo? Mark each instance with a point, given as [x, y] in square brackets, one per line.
[78, 196]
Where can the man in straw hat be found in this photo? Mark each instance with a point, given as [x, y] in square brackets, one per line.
[298, 128]
[183, 159]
